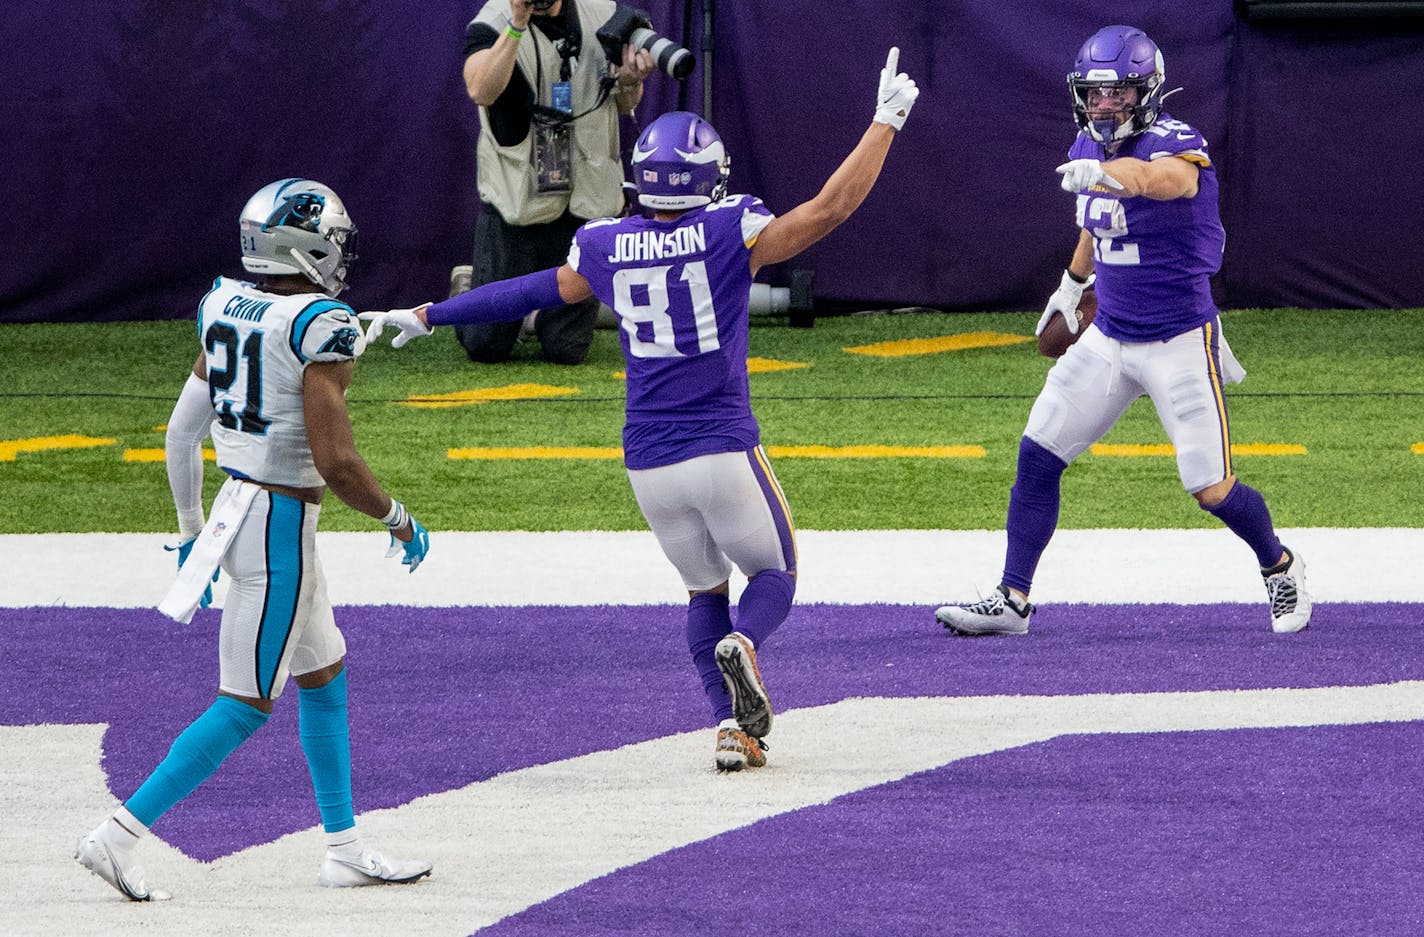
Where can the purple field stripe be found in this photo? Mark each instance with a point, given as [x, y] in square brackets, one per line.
[438, 693]
[1307, 832]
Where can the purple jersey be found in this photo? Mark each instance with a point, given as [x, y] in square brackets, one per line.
[680, 290]
[1153, 259]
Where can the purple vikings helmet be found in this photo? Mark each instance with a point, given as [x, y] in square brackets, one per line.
[679, 162]
[1118, 57]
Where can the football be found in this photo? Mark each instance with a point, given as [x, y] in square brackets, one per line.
[1056, 338]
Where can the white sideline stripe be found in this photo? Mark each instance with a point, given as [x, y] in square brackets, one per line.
[502, 845]
[917, 567]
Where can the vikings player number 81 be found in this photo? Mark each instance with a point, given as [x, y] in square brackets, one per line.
[641, 299]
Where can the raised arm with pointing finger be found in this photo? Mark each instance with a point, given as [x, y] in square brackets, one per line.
[679, 283]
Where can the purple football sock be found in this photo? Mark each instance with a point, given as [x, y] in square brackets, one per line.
[1033, 512]
[1244, 512]
[764, 604]
[709, 620]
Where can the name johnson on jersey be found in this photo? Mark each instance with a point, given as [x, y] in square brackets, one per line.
[656, 245]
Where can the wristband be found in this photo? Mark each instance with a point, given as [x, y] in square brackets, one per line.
[513, 31]
[1075, 278]
[397, 517]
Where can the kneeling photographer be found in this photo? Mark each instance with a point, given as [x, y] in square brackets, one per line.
[549, 91]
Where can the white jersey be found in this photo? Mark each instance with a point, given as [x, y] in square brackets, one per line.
[257, 344]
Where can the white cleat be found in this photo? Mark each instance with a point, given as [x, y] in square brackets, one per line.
[95, 853]
[996, 613]
[371, 868]
[1290, 603]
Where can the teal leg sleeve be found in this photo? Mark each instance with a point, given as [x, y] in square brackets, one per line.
[194, 756]
[326, 740]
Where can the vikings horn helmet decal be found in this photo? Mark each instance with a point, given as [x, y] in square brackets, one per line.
[1118, 58]
[679, 162]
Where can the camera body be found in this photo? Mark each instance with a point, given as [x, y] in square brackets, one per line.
[631, 26]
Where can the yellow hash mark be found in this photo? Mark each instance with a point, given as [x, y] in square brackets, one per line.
[1268, 448]
[780, 452]
[1130, 452]
[931, 346]
[1417, 448]
[480, 395]
[767, 365]
[537, 452]
[1167, 449]
[754, 366]
[9, 448]
[156, 455]
[876, 452]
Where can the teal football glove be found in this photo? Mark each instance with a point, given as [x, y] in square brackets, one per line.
[184, 549]
[414, 549]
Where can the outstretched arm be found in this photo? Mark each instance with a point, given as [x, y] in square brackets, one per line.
[793, 232]
[502, 301]
[1159, 179]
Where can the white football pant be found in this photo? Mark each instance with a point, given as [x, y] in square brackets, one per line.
[1098, 378]
[715, 510]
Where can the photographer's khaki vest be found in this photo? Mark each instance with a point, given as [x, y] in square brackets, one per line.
[506, 173]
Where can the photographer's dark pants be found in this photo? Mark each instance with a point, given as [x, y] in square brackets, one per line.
[503, 250]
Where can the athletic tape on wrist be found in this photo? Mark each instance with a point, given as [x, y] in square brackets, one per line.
[397, 517]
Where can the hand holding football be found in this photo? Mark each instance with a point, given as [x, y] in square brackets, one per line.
[1056, 339]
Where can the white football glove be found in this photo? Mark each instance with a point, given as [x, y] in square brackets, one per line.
[1064, 302]
[1080, 174]
[405, 320]
[897, 92]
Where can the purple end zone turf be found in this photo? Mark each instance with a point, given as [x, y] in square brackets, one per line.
[1209, 832]
[1289, 831]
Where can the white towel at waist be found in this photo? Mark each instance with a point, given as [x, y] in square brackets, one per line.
[196, 574]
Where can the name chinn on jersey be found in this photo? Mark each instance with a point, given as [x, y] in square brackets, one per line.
[680, 290]
[1153, 259]
[256, 345]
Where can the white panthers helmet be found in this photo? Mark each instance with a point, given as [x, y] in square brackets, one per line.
[297, 226]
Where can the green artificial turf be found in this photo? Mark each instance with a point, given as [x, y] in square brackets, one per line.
[1340, 383]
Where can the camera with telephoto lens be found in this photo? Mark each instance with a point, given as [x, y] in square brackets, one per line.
[631, 26]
